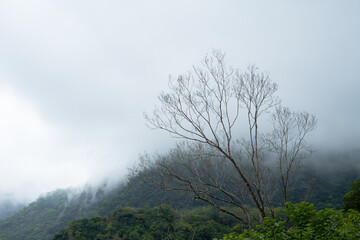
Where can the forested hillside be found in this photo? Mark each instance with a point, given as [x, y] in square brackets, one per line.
[51, 212]
[297, 221]
[43, 218]
[162, 222]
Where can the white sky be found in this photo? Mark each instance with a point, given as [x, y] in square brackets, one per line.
[76, 76]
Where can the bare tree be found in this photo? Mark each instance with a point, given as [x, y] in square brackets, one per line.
[200, 172]
[203, 107]
[287, 141]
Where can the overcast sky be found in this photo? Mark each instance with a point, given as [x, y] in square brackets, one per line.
[76, 76]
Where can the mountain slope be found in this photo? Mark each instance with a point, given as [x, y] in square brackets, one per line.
[51, 212]
[8, 208]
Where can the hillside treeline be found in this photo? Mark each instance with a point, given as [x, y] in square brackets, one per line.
[320, 183]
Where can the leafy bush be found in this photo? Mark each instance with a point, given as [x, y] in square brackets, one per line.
[352, 198]
[304, 222]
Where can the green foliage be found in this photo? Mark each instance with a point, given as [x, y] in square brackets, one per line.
[45, 217]
[306, 223]
[37, 220]
[352, 198]
[151, 223]
[49, 214]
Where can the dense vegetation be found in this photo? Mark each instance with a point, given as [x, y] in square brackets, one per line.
[352, 198]
[296, 221]
[50, 213]
[305, 223]
[323, 185]
[151, 223]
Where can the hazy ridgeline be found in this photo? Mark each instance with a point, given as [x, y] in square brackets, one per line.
[323, 180]
[8, 207]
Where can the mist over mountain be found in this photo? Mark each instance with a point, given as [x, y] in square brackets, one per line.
[51, 212]
[77, 76]
[328, 174]
[8, 208]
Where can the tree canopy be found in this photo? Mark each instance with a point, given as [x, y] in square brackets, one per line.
[352, 198]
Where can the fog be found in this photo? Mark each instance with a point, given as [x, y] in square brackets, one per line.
[76, 77]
